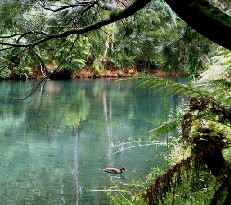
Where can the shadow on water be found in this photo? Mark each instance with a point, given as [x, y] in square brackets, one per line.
[54, 145]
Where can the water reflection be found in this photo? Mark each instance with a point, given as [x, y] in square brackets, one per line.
[54, 145]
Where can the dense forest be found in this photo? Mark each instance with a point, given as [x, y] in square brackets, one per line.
[144, 39]
[64, 38]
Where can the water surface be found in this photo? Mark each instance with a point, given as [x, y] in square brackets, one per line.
[55, 144]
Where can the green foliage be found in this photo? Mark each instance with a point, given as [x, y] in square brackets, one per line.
[218, 67]
[211, 113]
[21, 70]
[9, 15]
[126, 197]
[140, 38]
[186, 90]
[164, 128]
[4, 72]
[195, 190]
[78, 55]
[97, 64]
[155, 36]
[166, 42]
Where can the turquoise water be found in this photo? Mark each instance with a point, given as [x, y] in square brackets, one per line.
[55, 144]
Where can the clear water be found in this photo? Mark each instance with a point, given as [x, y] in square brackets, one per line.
[55, 144]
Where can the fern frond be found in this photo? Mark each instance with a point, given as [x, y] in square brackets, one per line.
[164, 128]
[222, 83]
[169, 87]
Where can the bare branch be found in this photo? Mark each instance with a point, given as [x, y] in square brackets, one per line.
[61, 8]
[23, 34]
[16, 34]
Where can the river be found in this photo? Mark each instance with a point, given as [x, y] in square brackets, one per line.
[55, 144]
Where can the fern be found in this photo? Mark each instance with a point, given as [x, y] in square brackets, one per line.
[164, 128]
[169, 87]
[221, 83]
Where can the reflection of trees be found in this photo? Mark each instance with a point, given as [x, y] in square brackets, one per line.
[56, 110]
[108, 123]
[76, 164]
[36, 124]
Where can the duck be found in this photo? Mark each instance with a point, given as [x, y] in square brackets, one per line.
[113, 170]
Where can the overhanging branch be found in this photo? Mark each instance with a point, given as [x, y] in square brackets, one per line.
[205, 19]
[115, 16]
[68, 6]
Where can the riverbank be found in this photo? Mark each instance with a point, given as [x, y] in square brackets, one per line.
[89, 73]
[129, 72]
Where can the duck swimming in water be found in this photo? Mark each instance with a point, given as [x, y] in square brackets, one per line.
[113, 170]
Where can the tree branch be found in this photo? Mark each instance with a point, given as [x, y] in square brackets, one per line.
[205, 19]
[61, 8]
[115, 16]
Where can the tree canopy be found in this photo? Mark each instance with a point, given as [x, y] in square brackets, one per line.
[80, 17]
